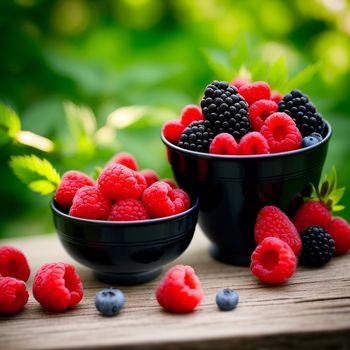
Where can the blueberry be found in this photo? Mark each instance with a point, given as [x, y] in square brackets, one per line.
[109, 301]
[311, 140]
[226, 299]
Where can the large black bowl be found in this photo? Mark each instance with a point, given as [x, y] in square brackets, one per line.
[125, 252]
[232, 189]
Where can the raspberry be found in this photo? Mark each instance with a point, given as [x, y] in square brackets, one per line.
[281, 133]
[161, 200]
[259, 111]
[13, 295]
[170, 182]
[190, 114]
[90, 203]
[57, 286]
[119, 182]
[312, 213]
[150, 176]
[253, 143]
[70, 184]
[276, 96]
[224, 143]
[13, 263]
[128, 210]
[238, 82]
[172, 130]
[273, 261]
[125, 159]
[180, 290]
[339, 229]
[255, 91]
[272, 222]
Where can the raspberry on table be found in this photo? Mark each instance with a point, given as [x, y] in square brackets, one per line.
[126, 159]
[226, 299]
[253, 143]
[272, 222]
[273, 261]
[161, 200]
[109, 301]
[318, 247]
[90, 203]
[71, 182]
[255, 91]
[339, 229]
[180, 290]
[312, 139]
[13, 263]
[276, 96]
[57, 286]
[259, 111]
[170, 182]
[191, 113]
[312, 213]
[128, 210]
[119, 182]
[281, 133]
[172, 130]
[224, 143]
[150, 176]
[238, 82]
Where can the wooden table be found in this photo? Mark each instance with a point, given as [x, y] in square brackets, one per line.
[311, 311]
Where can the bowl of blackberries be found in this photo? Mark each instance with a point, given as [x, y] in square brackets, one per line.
[125, 225]
[245, 147]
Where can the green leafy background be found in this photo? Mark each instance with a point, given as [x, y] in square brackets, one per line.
[97, 77]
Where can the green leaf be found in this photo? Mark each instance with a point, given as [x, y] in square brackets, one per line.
[337, 194]
[278, 74]
[10, 124]
[239, 55]
[219, 62]
[36, 173]
[338, 208]
[303, 77]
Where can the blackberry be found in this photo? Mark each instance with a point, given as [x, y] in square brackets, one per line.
[303, 112]
[197, 136]
[226, 110]
[317, 246]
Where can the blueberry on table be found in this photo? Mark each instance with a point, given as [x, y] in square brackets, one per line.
[109, 301]
[226, 299]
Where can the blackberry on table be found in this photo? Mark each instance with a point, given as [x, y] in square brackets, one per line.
[318, 246]
[303, 112]
[197, 136]
[226, 110]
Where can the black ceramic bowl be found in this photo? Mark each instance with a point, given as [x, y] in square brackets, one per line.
[126, 252]
[232, 189]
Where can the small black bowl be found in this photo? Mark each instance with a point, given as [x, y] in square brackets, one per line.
[232, 190]
[128, 252]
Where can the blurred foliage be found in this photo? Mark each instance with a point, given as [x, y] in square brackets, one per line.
[136, 63]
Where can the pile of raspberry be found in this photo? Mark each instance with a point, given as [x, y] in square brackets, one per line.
[244, 118]
[121, 193]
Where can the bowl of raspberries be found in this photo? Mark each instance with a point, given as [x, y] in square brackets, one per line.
[245, 147]
[125, 225]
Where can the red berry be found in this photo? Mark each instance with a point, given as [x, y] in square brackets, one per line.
[119, 182]
[272, 222]
[57, 286]
[125, 159]
[224, 143]
[281, 133]
[238, 82]
[255, 91]
[172, 130]
[253, 143]
[339, 229]
[128, 210]
[259, 111]
[150, 176]
[70, 184]
[276, 96]
[161, 200]
[90, 203]
[190, 114]
[13, 295]
[312, 213]
[273, 261]
[13, 263]
[180, 290]
[170, 182]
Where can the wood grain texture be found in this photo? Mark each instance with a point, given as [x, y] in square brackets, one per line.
[311, 311]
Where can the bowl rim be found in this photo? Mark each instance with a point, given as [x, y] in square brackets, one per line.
[67, 217]
[248, 157]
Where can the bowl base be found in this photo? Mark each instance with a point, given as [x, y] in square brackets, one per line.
[227, 257]
[127, 279]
